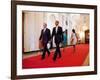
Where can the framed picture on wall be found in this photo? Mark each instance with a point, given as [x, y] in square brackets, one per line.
[52, 39]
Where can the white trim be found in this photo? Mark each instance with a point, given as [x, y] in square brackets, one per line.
[21, 71]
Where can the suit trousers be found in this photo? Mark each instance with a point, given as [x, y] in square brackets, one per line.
[45, 50]
[57, 52]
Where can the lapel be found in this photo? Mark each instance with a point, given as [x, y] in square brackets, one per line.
[44, 30]
[57, 30]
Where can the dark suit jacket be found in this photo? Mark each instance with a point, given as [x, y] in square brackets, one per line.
[58, 35]
[45, 36]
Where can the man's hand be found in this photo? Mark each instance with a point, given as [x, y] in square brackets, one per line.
[50, 41]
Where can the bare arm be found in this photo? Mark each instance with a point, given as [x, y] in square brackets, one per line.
[52, 34]
[40, 35]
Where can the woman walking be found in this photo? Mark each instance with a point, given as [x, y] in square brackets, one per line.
[73, 39]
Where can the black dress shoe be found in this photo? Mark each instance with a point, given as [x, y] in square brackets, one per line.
[43, 58]
[54, 59]
[49, 54]
[59, 56]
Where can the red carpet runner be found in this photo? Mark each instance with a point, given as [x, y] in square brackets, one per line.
[68, 59]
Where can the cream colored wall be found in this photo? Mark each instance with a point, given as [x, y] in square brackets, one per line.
[32, 28]
[82, 25]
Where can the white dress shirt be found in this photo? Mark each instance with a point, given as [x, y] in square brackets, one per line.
[56, 29]
[44, 29]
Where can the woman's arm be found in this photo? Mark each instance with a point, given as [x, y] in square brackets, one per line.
[41, 35]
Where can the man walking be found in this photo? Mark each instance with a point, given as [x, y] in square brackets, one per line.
[45, 37]
[57, 33]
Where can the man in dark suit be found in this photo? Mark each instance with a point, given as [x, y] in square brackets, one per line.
[45, 38]
[57, 33]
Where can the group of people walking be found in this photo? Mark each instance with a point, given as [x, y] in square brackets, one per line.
[57, 34]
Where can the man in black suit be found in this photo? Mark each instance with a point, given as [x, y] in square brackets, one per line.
[45, 38]
[57, 33]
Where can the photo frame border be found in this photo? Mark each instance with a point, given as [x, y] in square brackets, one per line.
[14, 39]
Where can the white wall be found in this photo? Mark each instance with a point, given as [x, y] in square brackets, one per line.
[5, 43]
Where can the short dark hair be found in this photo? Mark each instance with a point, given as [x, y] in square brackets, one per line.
[73, 30]
[66, 30]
